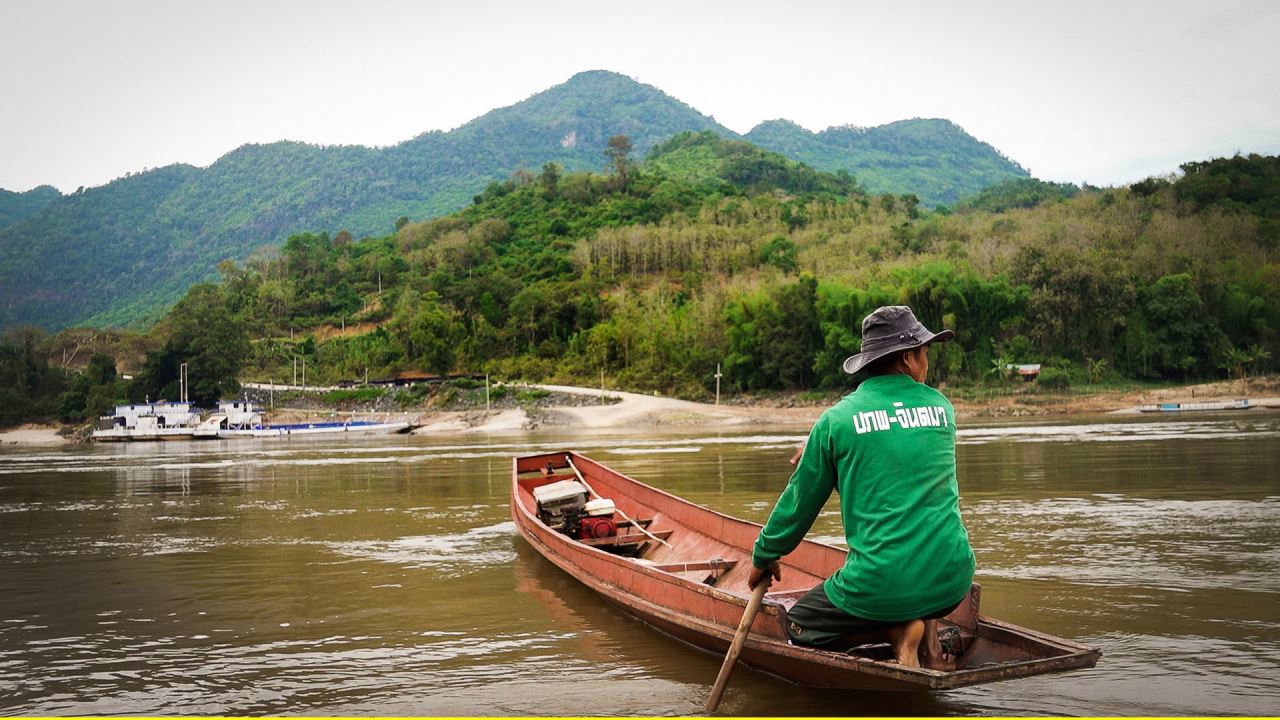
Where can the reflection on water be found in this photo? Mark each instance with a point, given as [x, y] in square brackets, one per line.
[323, 577]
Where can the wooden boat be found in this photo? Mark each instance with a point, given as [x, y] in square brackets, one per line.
[682, 568]
[1207, 406]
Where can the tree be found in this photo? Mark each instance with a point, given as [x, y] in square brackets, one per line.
[619, 152]
[1179, 333]
[550, 179]
[773, 337]
[426, 331]
[93, 392]
[29, 386]
[780, 253]
[209, 338]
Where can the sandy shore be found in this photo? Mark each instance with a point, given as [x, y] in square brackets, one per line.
[33, 435]
[637, 410]
[625, 410]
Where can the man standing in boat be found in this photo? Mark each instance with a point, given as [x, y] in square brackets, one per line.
[889, 450]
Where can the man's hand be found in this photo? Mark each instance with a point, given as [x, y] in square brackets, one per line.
[769, 574]
[799, 453]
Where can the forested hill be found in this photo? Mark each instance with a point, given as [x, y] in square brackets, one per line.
[15, 206]
[121, 253]
[713, 253]
[933, 159]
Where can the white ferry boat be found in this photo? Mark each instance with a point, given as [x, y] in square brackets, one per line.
[148, 421]
[241, 419]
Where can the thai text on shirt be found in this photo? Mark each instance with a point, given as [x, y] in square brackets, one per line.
[901, 417]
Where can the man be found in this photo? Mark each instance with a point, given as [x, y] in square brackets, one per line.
[888, 449]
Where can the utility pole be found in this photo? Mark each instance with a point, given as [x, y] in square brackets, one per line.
[718, 376]
[295, 370]
[182, 382]
[304, 372]
[487, 408]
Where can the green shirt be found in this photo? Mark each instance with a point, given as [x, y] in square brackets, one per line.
[889, 449]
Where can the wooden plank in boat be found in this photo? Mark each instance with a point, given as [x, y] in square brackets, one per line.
[629, 539]
[677, 567]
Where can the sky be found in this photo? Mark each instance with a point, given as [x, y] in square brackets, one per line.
[1085, 91]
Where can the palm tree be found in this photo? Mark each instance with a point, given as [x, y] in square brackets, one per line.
[1254, 355]
[1235, 361]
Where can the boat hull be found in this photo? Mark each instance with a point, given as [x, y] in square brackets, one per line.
[1195, 407]
[132, 435]
[680, 589]
[307, 430]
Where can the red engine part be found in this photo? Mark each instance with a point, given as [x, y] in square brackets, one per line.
[597, 527]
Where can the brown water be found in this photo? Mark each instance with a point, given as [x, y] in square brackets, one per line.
[385, 577]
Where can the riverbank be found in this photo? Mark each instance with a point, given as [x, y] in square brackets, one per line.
[35, 434]
[639, 411]
[1029, 400]
[573, 408]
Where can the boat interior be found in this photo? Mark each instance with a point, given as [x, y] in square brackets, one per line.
[667, 534]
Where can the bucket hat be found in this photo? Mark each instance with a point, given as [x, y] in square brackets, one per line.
[890, 329]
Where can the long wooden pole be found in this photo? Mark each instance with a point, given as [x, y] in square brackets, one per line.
[635, 524]
[739, 639]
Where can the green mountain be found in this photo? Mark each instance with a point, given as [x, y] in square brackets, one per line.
[936, 160]
[716, 260]
[15, 206]
[121, 253]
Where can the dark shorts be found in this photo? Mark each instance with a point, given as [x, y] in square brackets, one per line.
[816, 622]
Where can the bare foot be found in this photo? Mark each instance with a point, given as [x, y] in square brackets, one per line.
[931, 651]
[906, 642]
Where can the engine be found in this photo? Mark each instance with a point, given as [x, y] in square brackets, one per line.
[590, 528]
[597, 522]
[563, 506]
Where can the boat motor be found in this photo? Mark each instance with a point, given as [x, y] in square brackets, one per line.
[561, 504]
[598, 522]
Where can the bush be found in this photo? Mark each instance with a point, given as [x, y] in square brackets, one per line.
[365, 394]
[530, 395]
[1053, 378]
[813, 396]
[414, 395]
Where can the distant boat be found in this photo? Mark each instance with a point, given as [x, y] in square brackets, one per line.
[147, 422]
[1240, 404]
[241, 419]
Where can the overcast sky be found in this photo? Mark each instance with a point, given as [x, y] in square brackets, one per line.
[1101, 92]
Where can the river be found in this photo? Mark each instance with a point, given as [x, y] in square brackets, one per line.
[385, 577]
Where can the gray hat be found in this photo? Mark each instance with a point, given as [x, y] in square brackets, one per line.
[890, 329]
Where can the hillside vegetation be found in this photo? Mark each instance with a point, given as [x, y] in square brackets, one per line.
[15, 206]
[714, 252]
[933, 159]
[123, 253]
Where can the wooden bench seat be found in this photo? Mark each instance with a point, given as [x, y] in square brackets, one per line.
[628, 539]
